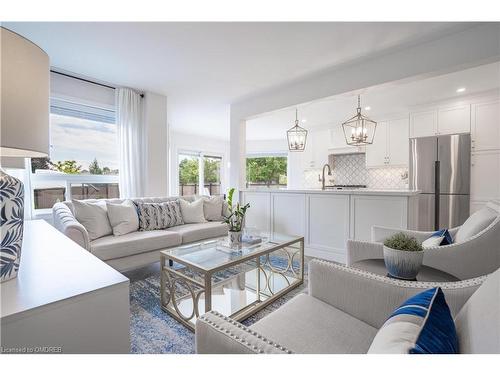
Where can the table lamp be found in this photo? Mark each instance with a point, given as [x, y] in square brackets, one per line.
[24, 97]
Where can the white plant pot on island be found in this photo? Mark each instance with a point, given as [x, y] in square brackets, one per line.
[328, 218]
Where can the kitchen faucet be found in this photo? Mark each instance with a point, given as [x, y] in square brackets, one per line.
[329, 174]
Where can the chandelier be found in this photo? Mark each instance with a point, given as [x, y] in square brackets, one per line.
[359, 130]
[296, 136]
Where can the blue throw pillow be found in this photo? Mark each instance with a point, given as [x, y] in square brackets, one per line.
[440, 238]
[447, 240]
[421, 325]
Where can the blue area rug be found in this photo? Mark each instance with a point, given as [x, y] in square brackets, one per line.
[153, 331]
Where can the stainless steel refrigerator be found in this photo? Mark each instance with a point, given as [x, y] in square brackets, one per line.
[440, 168]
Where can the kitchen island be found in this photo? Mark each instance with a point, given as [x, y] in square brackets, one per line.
[327, 218]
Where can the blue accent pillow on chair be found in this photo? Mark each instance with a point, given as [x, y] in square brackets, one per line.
[440, 238]
[421, 325]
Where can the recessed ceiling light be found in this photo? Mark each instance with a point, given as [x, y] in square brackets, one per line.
[368, 108]
[461, 89]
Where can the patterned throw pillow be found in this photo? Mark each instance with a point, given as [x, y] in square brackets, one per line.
[421, 325]
[153, 216]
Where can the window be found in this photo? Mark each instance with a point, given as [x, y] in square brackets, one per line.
[83, 139]
[199, 174]
[189, 174]
[211, 174]
[83, 160]
[266, 171]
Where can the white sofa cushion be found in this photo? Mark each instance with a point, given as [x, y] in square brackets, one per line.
[111, 247]
[212, 207]
[200, 231]
[307, 325]
[123, 217]
[478, 322]
[477, 222]
[94, 217]
[192, 213]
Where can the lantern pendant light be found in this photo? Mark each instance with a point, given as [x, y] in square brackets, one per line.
[296, 136]
[359, 130]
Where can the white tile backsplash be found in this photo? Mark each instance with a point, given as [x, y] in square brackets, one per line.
[351, 169]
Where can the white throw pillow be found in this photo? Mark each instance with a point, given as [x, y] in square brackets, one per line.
[433, 241]
[192, 212]
[475, 223]
[123, 217]
[212, 207]
[94, 217]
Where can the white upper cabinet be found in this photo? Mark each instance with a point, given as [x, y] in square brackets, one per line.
[423, 124]
[399, 144]
[446, 120]
[390, 144]
[376, 153]
[486, 126]
[454, 120]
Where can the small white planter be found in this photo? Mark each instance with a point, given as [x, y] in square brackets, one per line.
[403, 264]
[234, 238]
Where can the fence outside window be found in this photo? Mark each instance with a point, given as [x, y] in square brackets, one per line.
[193, 189]
[50, 188]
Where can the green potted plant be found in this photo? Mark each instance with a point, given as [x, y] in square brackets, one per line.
[403, 256]
[235, 219]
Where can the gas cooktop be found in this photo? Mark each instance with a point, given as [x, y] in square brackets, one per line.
[340, 187]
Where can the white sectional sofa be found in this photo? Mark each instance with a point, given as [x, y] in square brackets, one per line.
[138, 248]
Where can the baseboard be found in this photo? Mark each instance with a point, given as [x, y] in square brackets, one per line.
[326, 255]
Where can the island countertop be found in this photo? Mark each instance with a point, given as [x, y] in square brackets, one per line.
[358, 191]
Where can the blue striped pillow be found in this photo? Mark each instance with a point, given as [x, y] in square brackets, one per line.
[421, 325]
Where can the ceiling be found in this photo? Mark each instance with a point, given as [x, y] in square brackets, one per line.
[385, 100]
[203, 67]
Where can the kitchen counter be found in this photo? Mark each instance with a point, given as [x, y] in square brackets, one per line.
[327, 218]
[359, 191]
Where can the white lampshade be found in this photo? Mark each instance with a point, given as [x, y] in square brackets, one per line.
[25, 73]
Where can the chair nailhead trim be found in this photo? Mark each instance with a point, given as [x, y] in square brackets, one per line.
[206, 319]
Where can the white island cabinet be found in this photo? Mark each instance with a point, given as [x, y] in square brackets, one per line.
[326, 219]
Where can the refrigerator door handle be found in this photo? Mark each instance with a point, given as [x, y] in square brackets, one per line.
[437, 167]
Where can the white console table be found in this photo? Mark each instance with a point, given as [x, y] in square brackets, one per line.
[63, 300]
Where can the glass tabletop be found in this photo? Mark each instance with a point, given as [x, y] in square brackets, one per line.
[215, 253]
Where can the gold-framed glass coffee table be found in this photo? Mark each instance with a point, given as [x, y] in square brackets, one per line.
[210, 275]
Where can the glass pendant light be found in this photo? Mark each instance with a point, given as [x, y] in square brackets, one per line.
[359, 130]
[296, 136]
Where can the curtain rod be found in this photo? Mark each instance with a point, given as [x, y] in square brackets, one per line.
[86, 80]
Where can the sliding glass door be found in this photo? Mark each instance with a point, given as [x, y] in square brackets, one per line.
[199, 173]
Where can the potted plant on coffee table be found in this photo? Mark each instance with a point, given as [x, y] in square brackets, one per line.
[235, 219]
[403, 256]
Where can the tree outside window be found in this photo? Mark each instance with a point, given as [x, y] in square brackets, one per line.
[266, 171]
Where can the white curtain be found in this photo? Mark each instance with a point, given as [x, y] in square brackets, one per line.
[131, 138]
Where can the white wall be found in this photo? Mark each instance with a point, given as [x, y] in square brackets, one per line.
[270, 146]
[155, 121]
[472, 47]
[189, 142]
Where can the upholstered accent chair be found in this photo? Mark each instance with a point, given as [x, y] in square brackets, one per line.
[343, 311]
[475, 250]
